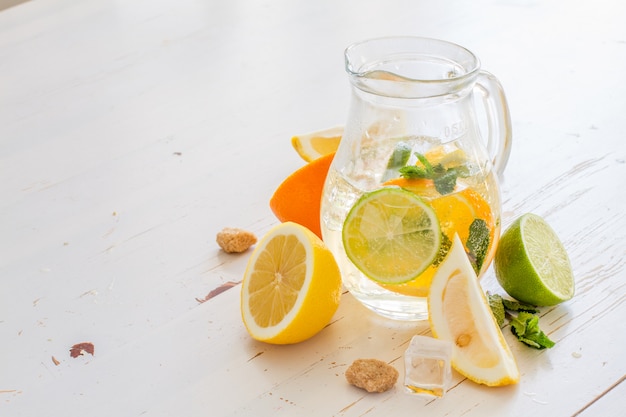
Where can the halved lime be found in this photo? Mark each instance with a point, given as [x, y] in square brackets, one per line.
[391, 235]
[531, 263]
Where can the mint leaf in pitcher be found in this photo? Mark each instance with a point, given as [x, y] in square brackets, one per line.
[443, 178]
[446, 181]
[478, 243]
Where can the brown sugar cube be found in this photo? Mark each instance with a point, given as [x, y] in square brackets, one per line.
[372, 375]
[233, 240]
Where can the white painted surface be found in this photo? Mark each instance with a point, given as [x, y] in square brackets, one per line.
[131, 132]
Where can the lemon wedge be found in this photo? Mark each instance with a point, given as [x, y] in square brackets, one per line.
[313, 145]
[291, 287]
[458, 311]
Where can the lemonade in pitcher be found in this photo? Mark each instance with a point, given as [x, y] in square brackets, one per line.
[389, 238]
[412, 170]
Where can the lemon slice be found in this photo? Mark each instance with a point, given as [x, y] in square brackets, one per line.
[391, 235]
[447, 158]
[311, 146]
[458, 311]
[291, 287]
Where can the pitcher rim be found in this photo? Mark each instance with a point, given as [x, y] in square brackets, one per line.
[469, 73]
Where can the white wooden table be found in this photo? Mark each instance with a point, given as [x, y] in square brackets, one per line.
[132, 131]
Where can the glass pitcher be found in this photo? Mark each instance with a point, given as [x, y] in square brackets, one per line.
[413, 169]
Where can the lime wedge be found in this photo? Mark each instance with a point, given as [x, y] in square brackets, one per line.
[399, 158]
[391, 235]
[531, 263]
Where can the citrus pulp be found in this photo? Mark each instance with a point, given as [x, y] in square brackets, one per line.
[531, 263]
[298, 197]
[391, 235]
[458, 311]
[291, 287]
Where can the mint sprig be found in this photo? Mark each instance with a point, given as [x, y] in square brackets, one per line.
[524, 325]
[443, 178]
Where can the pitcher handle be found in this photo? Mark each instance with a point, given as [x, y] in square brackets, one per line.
[499, 137]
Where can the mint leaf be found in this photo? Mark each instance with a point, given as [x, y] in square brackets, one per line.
[513, 305]
[446, 181]
[526, 327]
[413, 171]
[478, 243]
[443, 178]
[497, 307]
[462, 171]
[427, 166]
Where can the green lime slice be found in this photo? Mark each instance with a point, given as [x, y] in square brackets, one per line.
[391, 235]
[531, 263]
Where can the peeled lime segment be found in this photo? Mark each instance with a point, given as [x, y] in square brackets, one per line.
[399, 158]
[391, 235]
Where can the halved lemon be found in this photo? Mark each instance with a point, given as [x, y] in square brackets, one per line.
[458, 311]
[391, 235]
[313, 145]
[291, 287]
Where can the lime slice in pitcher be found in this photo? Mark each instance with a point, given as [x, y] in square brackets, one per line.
[391, 235]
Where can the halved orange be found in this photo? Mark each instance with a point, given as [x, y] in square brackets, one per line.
[299, 197]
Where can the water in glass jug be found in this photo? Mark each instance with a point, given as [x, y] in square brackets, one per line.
[427, 134]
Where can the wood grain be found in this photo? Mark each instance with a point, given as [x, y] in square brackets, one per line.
[132, 132]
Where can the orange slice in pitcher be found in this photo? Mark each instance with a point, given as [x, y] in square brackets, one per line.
[455, 212]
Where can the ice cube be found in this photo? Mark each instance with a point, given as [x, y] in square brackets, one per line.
[427, 368]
